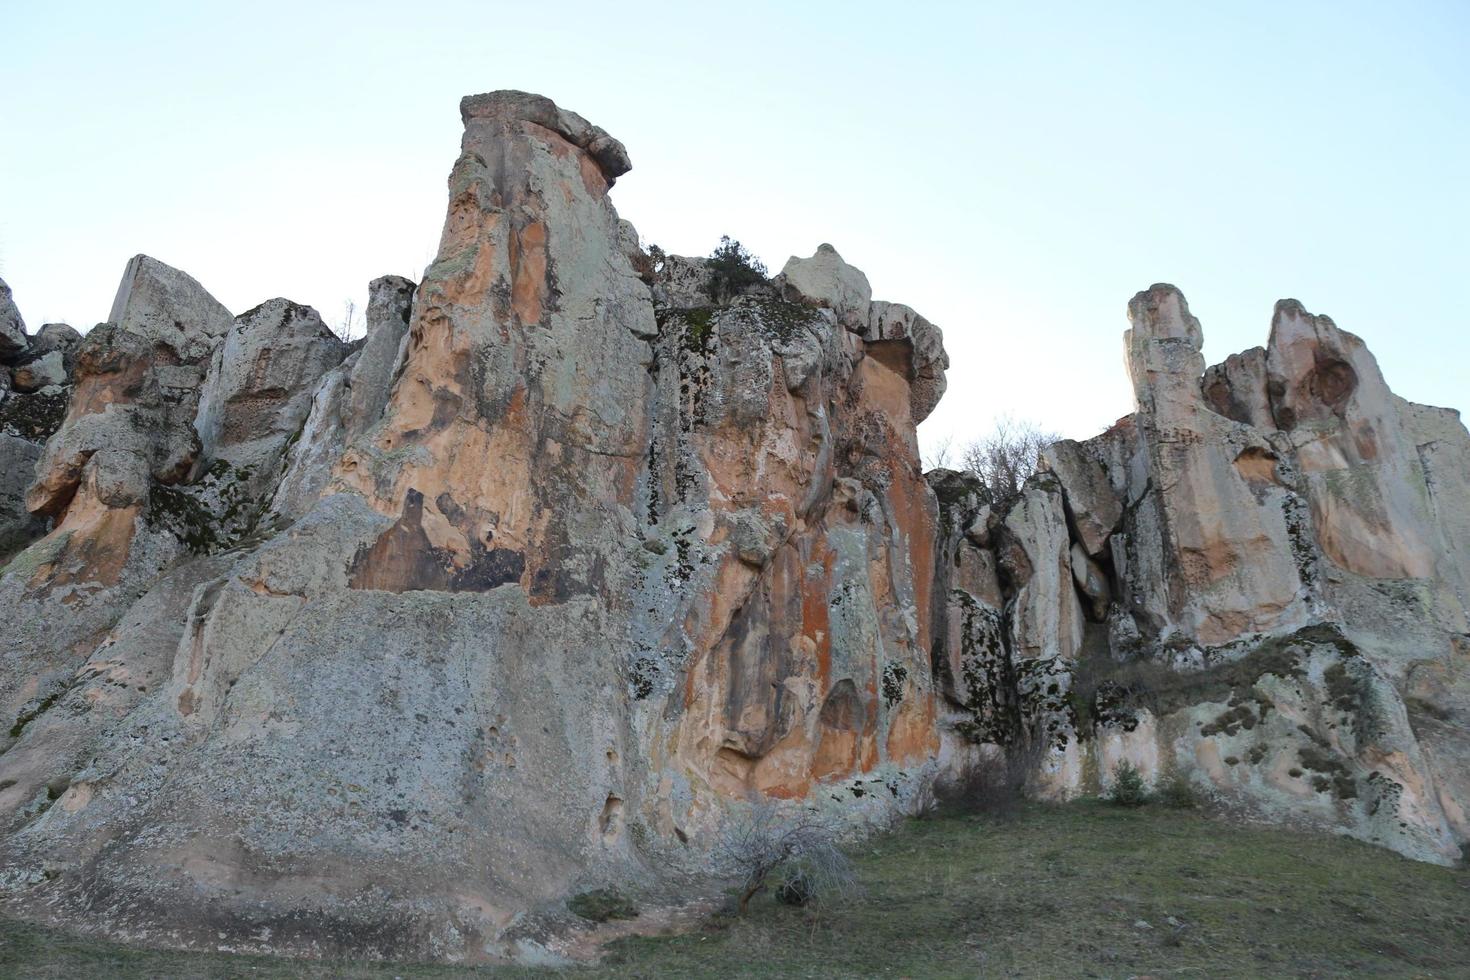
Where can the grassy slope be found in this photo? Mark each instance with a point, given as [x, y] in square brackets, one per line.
[1060, 891]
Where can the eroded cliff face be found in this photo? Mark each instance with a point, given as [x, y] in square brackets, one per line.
[387, 648]
[391, 647]
[35, 384]
[1268, 561]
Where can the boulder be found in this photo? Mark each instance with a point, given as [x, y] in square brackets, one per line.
[1092, 504]
[926, 358]
[826, 280]
[164, 306]
[13, 338]
[56, 336]
[138, 381]
[1093, 582]
[260, 384]
[44, 371]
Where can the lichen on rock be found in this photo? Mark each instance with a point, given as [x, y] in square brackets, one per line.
[575, 555]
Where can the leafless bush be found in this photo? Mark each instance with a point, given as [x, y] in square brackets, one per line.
[799, 842]
[995, 786]
[939, 453]
[923, 801]
[1007, 456]
[350, 320]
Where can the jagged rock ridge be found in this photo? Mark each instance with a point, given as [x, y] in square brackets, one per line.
[389, 647]
[539, 581]
[1270, 600]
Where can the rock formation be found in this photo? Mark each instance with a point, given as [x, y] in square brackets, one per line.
[538, 581]
[388, 648]
[35, 380]
[1269, 556]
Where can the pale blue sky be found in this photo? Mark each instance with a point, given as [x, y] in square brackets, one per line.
[1013, 171]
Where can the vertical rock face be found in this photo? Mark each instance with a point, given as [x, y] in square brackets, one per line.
[1221, 513]
[35, 379]
[391, 647]
[1270, 558]
[541, 580]
[528, 347]
[12, 327]
[348, 400]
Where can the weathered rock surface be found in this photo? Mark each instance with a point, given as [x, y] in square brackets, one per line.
[1270, 555]
[541, 580]
[1092, 505]
[390, 648]
[826, 280]
[138, 381]
[12, 326]
[33, 397]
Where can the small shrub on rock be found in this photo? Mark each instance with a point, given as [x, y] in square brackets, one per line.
[1178, 793]
[1128, 787]
[796, 846]
[732, 269]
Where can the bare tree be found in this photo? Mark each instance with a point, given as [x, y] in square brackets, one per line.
[1007, 456]
[350, 318]
[799, 841]
[937, 458]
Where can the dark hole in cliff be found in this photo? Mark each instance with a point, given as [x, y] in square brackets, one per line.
[843, 709]
[1333, 383]
[611, 820]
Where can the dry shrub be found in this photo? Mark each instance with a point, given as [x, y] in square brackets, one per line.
[798, 842]
[1178, 793]
[923, 800]
[995, 786]
[1007, 456]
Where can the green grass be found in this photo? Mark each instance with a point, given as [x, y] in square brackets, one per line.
[1059, 891]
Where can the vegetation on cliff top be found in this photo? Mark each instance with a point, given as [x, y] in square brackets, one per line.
[1085, 890]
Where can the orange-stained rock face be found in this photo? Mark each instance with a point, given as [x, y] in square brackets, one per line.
[809, 652]
[572, 557]
[689, 469]
[519, 417]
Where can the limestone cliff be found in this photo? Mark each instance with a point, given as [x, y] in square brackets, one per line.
[1255, 582]
[387, 648]
[391, 649]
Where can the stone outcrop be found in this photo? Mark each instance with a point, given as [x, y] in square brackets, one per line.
[1269, 560]
[388, 648]
[35, 380]
[561, 565]
[12, 327]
